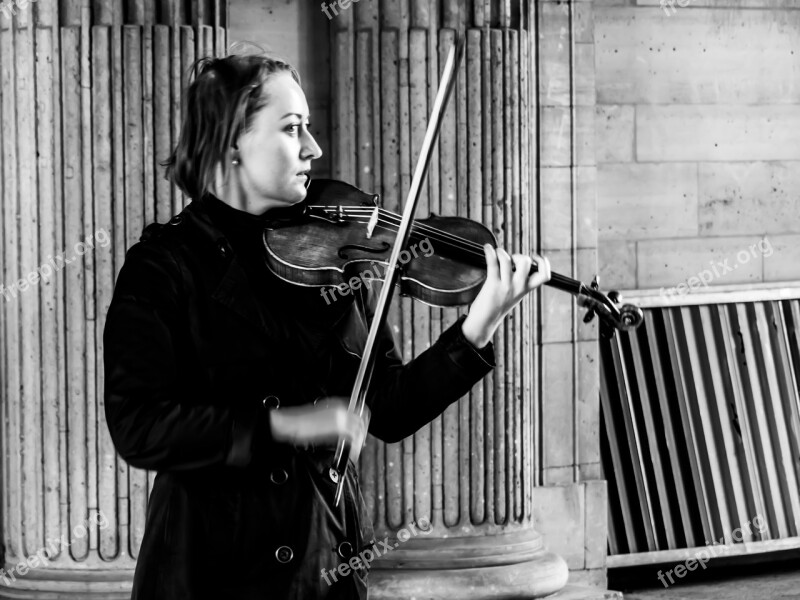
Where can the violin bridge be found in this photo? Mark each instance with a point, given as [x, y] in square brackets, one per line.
[373, 221]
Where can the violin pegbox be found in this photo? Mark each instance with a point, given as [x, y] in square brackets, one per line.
[612, 318]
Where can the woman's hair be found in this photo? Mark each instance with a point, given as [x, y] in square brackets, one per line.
[224, 95]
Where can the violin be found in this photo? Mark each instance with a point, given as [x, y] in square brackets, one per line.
[342, 228]
[343, 239]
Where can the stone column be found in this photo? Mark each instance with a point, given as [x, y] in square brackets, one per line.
[470, 473]
[89, 104]
[570, 500]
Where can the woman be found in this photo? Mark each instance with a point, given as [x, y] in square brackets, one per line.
[231, 383]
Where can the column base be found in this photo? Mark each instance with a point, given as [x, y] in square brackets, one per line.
[63, 584]
[504, 566]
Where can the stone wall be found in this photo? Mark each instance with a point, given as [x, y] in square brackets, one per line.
[698, 142]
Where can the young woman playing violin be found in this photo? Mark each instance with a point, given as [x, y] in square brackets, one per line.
[230, 382]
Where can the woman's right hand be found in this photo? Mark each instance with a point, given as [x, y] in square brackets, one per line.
[325, 422]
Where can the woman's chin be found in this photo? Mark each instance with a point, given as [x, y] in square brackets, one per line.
[302, 190]
[292, 195]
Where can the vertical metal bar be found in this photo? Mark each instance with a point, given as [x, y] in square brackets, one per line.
[612, 392]
[650, 433]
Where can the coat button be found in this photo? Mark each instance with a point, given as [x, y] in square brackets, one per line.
[176, 220]
[334, 475]
[271, 402]
[222, 247]
[345, 550]
[279, 476]
[284, 554]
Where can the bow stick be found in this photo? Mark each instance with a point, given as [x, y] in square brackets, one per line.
[361, 385]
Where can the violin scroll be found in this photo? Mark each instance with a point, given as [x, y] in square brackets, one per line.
[612, 316]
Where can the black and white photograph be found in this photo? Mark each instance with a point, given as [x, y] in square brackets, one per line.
[399, 299]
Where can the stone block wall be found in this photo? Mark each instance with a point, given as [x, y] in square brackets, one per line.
[698, 142]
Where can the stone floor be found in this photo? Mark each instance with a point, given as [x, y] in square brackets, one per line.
[780, 581]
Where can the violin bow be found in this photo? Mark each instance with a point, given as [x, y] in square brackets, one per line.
[361, 385]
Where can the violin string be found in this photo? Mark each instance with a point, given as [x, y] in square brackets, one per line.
[457, 240]
[441, 236]
[438, 234]
[429, 228]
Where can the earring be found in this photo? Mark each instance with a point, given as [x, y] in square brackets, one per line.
[235, 160]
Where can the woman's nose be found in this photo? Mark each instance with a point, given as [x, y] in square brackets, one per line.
[311, 149]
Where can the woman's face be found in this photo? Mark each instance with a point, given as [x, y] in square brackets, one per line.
[275, 154]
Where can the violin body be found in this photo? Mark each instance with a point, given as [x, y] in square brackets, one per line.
[328, 246]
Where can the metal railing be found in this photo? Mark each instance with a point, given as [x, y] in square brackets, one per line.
[701, 426]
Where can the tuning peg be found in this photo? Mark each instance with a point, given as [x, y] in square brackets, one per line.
[613, 296]
[595, 285]
[631, 316]
[588, 316]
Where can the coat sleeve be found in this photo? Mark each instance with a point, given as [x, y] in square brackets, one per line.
[404, 397]
[152, 421]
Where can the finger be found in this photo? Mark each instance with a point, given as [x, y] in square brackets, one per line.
[343, 423]
[355, 429]
[366, 416]
[542, 274]
[332, 402]
[358, 442]
[544, 268]
[492, 270]
[523, 266]
[505, 266]
[361, 434]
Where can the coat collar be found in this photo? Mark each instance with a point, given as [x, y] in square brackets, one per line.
[232, 289]
[228, 279]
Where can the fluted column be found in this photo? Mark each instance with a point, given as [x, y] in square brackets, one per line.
[470, 473]
[89, 105]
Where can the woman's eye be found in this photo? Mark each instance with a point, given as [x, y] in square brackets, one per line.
[293, 127]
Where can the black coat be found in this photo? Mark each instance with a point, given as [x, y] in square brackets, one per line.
[190, 353]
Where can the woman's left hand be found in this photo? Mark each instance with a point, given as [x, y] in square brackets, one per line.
[502, 291]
